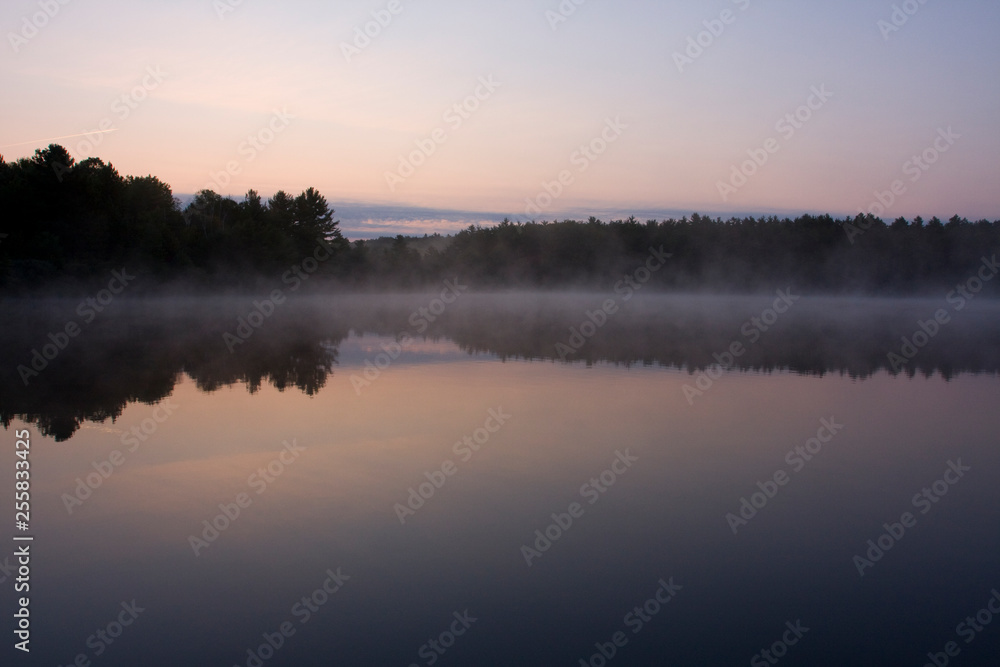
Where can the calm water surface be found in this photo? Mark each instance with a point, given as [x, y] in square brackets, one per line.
[472, 498]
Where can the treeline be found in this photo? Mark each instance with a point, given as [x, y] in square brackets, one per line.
[815, 253]
[67, 221]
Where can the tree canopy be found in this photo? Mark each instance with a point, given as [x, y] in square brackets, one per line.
[68, 220]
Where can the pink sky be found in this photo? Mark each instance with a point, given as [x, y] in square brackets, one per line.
[495, 107]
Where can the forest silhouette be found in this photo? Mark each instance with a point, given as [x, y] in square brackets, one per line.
[68, 222]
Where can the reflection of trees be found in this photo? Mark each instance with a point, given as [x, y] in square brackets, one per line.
[816, 337]
[136, 353]
[137, 356]
[281, 357]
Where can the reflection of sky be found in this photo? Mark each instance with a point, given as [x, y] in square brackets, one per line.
[356, 350]
[334, 508]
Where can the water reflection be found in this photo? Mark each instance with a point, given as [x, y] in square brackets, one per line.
[332, 507]
[137, 351]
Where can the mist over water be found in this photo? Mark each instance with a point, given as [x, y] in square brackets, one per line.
[545, 463]
[137, 349]
[525, 334]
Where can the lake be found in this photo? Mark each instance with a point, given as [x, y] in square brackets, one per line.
[455, 478]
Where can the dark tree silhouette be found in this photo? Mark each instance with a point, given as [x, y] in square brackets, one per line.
[67, 221]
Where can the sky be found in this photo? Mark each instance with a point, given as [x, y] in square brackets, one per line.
[532, 109]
